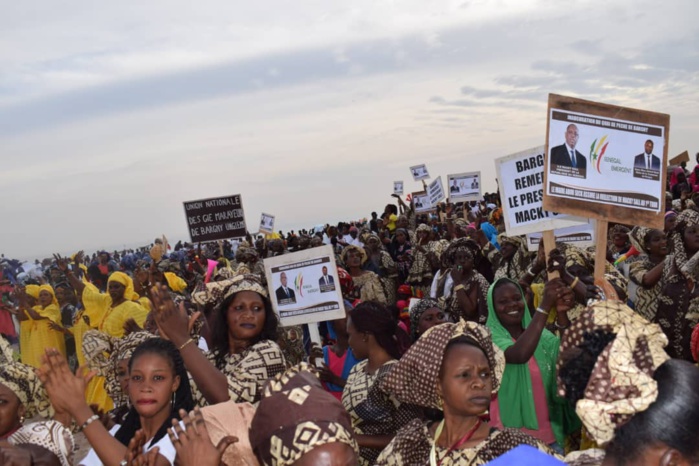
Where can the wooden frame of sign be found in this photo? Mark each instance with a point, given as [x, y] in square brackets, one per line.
[605, 213]
[676, 160]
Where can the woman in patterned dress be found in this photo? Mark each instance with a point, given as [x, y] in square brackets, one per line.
[376, 416]
[647, 271]
[243, 353]
[367, 285]
[453, 368]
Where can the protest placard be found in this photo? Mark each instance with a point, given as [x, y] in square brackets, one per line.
[215, 218]
[464, 186]
[521, 182]
[304, 286]
[678, 159]
[419, 172]
[435, 191]
[581, 236]
[421, 202]
[605, 162]
[397, 187]
[266, 223]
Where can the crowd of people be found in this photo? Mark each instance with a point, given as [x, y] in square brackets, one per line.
[458, 346]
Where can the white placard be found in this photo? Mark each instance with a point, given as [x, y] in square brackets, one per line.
[521, 182]
[419, 172]
[464, 186]
[421, 202]
[581, 236]
[266, 223]
[435, 191]
[397, 187]
[304, 286]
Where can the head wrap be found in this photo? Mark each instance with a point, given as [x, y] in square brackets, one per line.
[495, 215]
[50, 435]
[415, 377]
[518, 241]
[49, 289]
[175, 282]
[423, 227]
[32, 290]
[516, 401]
[464, 245]
[24, 383]
[217, 292]
[685, 219]
[351, 247]
[621, 383]
[637, 235]
[103, 354]
[121, 277]
[419, 309]
[617, 229]
[312, 417]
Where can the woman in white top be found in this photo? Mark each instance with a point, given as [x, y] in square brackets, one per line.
[158, 388]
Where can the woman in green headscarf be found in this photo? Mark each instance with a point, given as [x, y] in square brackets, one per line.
[527, 397]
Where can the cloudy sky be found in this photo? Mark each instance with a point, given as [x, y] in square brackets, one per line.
[114, 113]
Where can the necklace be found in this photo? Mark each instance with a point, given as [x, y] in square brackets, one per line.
[459, 443]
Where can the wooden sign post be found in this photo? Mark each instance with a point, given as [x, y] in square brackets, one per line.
[608, 163]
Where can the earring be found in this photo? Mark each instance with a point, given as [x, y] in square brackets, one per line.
[21, 420]
[174, 398]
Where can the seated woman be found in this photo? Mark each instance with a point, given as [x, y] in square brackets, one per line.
[454, 368]
[636, 402]
[158, 388]
[376, 415]
[647, 271]
[527, 399]
[285, 441]
[243, 353]
[367, 285]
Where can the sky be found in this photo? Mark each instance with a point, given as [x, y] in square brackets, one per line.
[112, 114]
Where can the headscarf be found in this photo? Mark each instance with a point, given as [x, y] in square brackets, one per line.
[32, 290]
[346, 282]
[24, 383]
[217, 292]
[415, 377]
[673, 176]
[49, 289]
[419, 309]
[516, 266]
[311, 417]
[175, 283]
[464, 245]
[103, 353]
[621, 383]
[50, 435]
[637, 236]
[616, 230]
[516, 400]
[361, 251]
[121, 277]
[685, 219]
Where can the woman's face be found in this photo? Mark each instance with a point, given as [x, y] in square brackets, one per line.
[509, 305]
[11, 409]
[329, 454]
[122, 371]
[152, 381]
[670, 222]
[354, 259]
[116, 290]
[356, 341]
[45, 298]
[246, 316]
[620, 239]
[656, 243]
[400, 237]
[402, 222]
[465, 381]
[463, 259]
[691, 238]
[430, 318]
[423, 236]
[507, 250]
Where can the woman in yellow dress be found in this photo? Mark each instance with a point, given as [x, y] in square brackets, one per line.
[36, 331]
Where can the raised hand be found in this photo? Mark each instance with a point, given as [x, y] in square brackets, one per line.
[65, 389]
[193, 444]
[173, 321]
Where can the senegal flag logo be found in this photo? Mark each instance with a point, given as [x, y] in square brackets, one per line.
[597, 150]
[298, 284]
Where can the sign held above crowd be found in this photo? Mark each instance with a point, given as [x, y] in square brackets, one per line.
[678, 159]
[397, 187]
[266, 223]
[435, 190]
[215, 218]
[464, 187]
[419, 172]
[421, 202]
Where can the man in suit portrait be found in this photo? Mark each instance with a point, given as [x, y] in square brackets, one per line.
[566, 155]
[454, 188]
[326, 279]
[647, 159]
[418, 203]
[285, 295]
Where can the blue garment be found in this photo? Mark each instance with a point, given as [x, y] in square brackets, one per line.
[350, 362]
[491, 234]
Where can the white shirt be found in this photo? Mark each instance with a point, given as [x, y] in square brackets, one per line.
[167, 449]
[448, 284]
